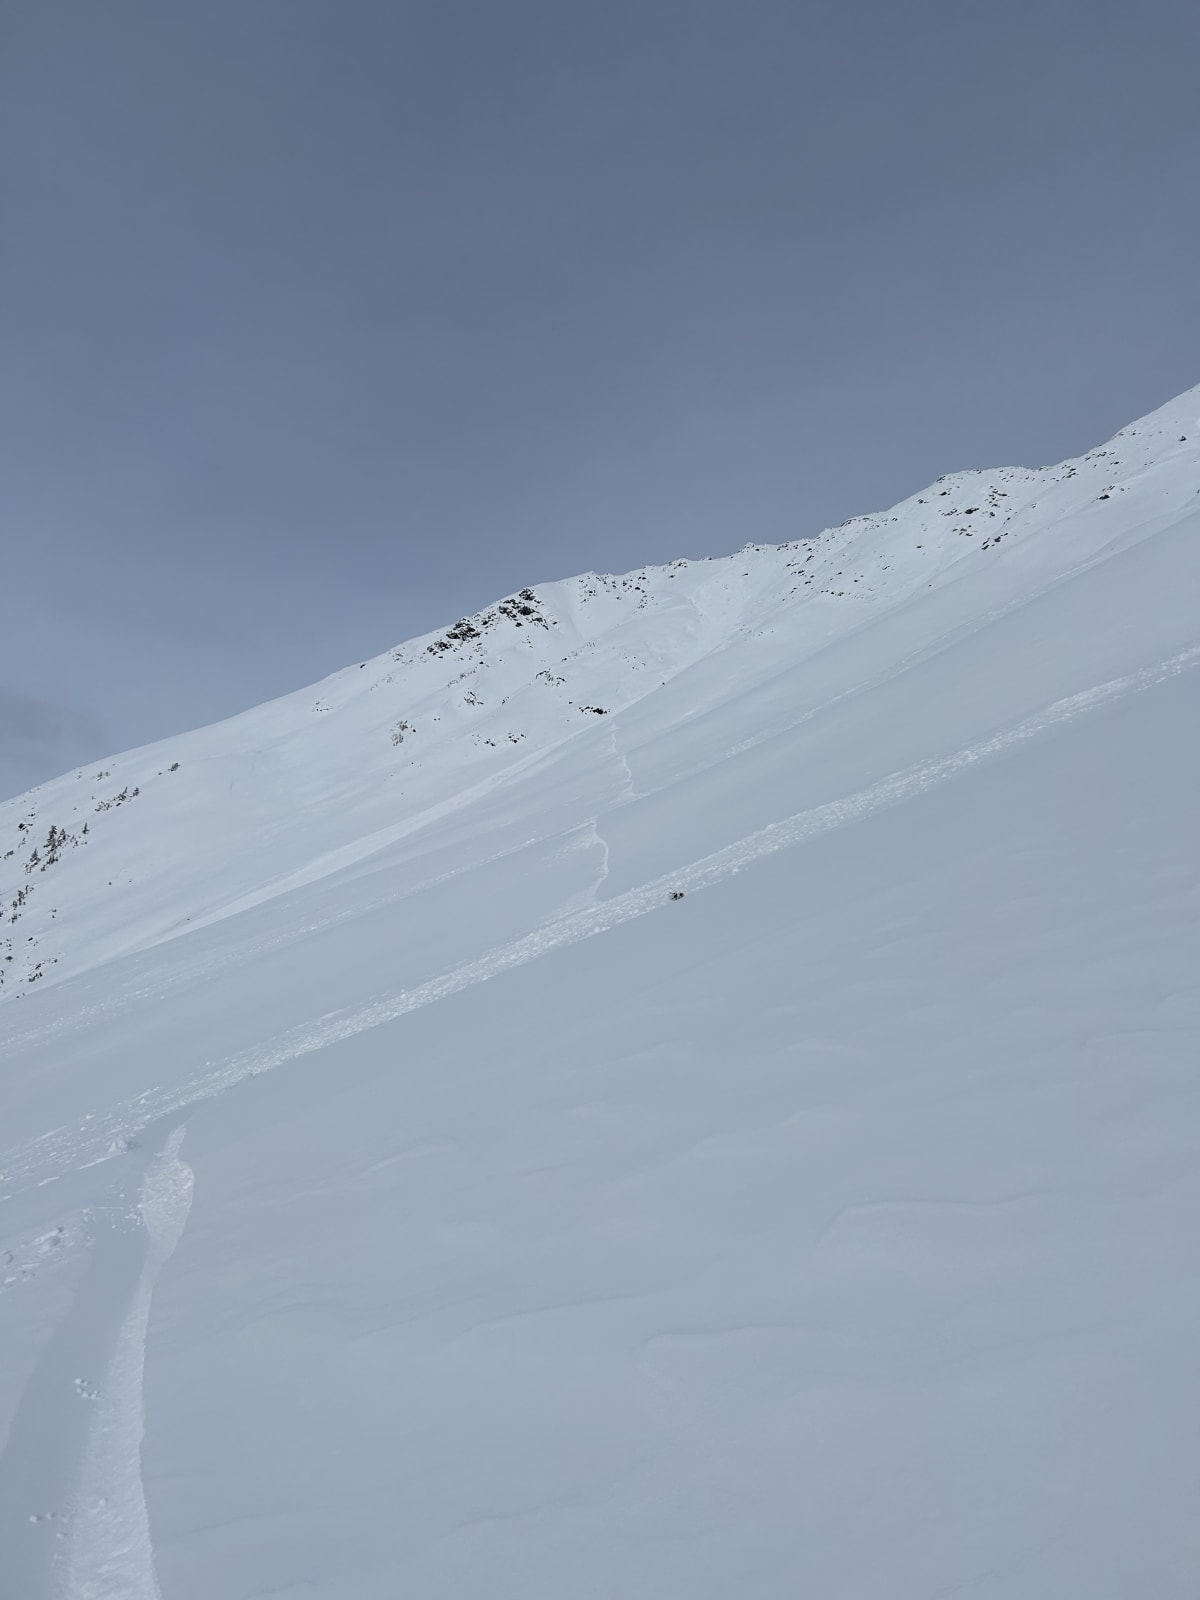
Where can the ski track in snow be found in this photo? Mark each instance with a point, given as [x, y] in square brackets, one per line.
[104, 1134]
[629, 792]
[364, 848]
[74, 1524]
[73, 1520]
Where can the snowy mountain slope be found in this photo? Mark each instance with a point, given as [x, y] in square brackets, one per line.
[307, 785]
[825, 1231]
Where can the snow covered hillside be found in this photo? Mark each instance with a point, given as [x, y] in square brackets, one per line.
[678, 1085]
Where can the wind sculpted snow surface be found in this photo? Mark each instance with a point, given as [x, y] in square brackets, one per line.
[689, 1080]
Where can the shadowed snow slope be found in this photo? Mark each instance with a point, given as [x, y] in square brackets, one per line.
[689, 1081]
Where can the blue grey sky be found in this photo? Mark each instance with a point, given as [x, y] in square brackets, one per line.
[323, 322]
